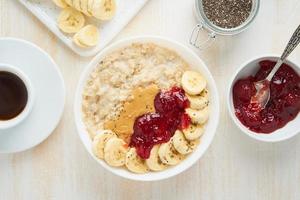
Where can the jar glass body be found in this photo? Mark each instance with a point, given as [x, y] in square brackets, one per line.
[200, 14]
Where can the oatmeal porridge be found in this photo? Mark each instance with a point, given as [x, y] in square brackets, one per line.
[144, 108]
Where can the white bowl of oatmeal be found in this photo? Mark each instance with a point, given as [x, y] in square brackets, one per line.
[120, 88]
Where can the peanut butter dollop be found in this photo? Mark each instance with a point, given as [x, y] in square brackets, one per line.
[141, 103]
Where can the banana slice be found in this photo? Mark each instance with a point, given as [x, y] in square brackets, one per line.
[69, 2]
[84, 7]
[134, 163]
[76, 5]
[153, 162]
[193, 82]
[193, 132]
[198, 116]
[60, 3]
[199, 101]
[70, 20]
[182, 145]
[88, 36]
[90, 7]
[99, 142]
[104, 9]
[168, 154]
[115, 152]
[78, 43]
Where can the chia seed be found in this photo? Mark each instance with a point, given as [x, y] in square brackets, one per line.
[227, 13]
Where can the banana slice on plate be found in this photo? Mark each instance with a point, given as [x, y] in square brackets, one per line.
[60, 3]
[182, 145]
[99, 142]
[88, 36]
[193, 132]
[193, 82]
[76, 5]
[153, 162]
[90, 7]
[199, 101]
[198, 116]
[69, 2]
[103, 9]
[134, 163]
[78, 43]
[115, 152]
[70, 20]
[84, 7]
[168, 154]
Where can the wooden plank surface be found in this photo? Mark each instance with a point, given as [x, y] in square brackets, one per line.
[234, 167]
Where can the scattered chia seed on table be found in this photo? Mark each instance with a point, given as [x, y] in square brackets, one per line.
[227, 13]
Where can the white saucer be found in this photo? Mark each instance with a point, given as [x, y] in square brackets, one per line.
[49, 88]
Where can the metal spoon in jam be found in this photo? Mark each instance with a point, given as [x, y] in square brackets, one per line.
[262, 96]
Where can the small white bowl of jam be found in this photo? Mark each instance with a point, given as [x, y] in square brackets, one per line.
[279, 120]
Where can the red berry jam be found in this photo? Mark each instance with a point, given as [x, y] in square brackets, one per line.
[156, 128]
[284, 103]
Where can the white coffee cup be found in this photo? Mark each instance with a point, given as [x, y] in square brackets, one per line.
[5, 124]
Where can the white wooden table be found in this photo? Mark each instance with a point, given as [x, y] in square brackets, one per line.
[234, 167]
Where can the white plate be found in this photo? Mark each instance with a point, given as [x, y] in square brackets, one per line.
[48, 84]
[195, 63]
[46, 11]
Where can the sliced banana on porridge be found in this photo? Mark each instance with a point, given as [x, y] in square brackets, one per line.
[153, 162]
[182, 145]
[115, 152]
[198, 116]
[70, 20]
[168, 154]
[134, 163]
[88, 36]
[99, 142]
[199, 101]
[193, 132]
[104, 9]
[193, 82]
[60, 3]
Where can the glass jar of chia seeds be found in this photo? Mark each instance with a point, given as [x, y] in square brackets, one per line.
[222, 17]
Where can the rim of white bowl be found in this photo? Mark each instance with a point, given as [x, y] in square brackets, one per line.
[257, 136]
[172, 171]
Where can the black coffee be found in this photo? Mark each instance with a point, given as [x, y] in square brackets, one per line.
[13, 95]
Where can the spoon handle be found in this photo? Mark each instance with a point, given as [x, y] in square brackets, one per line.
[274, 70]
[294, 41]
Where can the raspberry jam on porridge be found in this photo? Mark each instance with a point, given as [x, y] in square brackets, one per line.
[160, 126]
[284, 103]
